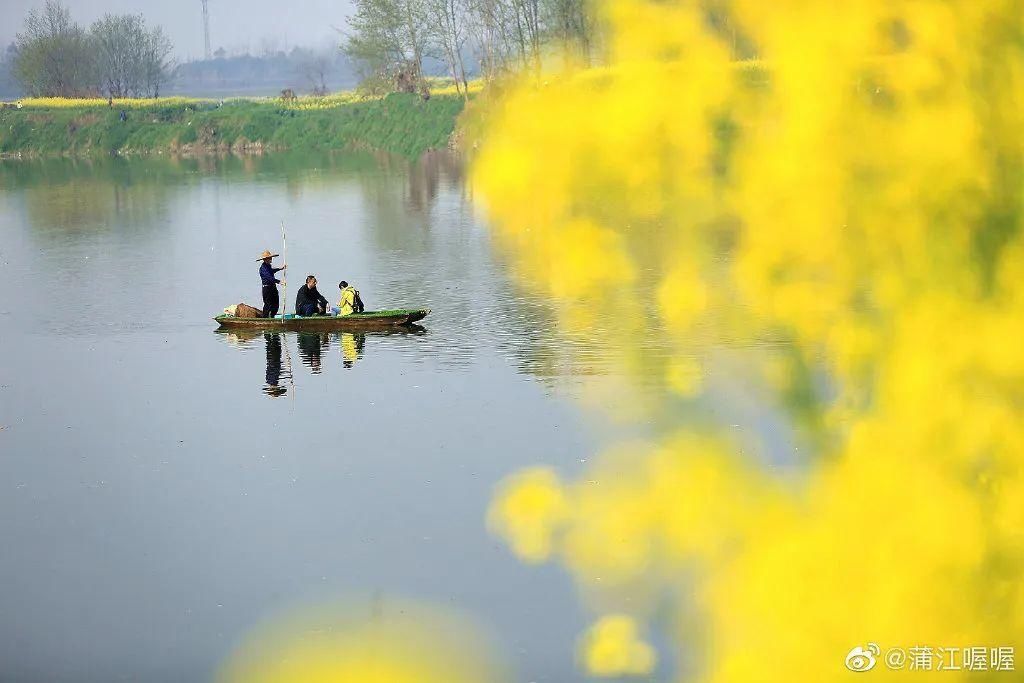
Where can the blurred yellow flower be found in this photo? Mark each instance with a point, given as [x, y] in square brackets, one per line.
[613, 647]
[392, 641]
[528, 509]
[844, 218]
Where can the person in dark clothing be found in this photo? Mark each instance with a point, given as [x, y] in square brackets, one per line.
[271, 302]
[309, 301]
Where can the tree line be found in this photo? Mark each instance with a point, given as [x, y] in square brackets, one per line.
[118, 56]
[304, 69]
[391, 38]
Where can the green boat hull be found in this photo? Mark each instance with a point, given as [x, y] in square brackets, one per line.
[369, 320]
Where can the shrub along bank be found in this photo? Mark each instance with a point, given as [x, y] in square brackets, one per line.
[403, 124]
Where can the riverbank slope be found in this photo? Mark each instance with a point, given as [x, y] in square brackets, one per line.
[403, 124]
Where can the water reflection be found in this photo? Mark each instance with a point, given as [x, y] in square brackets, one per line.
[135, 195]
[313, 349]
[366, 640]
[273, 386]
[426, 177]
[352, 344]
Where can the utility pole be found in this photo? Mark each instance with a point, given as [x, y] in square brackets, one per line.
[206, 28]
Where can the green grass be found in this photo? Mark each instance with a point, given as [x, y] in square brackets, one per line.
[399, 123]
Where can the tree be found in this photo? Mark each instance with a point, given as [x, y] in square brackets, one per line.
[446, 20]
[526, 19]
[568, 22]
[120, 42]
[391, 37]
[486, 28]
[157, 63]
[130, 60]
[53, 55]
[507, 33]
[315, 67]
[8, 86]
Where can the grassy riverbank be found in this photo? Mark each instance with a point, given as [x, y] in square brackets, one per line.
[398, 123]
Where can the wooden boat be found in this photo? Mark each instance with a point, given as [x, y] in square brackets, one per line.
[368, 320]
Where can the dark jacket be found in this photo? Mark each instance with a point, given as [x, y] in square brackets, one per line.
[310, 296]
[267, 275]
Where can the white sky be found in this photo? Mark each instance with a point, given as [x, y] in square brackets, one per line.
[234, 24]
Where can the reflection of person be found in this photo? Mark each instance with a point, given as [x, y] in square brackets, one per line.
[311, 347]
[270, 300]
[309, 301]
[273, 387]
[351, 347]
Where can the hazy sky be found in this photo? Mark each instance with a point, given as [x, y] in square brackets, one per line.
[234, 24]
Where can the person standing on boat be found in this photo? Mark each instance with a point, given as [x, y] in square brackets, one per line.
[309, 301]
[271, 302]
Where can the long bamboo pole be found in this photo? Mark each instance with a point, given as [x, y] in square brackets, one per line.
[284, 285]
[284, 309]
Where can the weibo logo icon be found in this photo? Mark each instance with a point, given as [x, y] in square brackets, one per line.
[863, 658]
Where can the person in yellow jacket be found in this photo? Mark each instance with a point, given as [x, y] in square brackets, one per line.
[349, 301]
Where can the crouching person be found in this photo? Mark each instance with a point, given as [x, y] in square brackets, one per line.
[350, 301]
[309, 301]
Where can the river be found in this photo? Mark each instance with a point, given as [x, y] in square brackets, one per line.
[164, 487]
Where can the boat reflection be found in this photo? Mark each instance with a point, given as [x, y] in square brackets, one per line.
[313, 348]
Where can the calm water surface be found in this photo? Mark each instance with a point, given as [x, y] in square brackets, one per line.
[164, 487]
